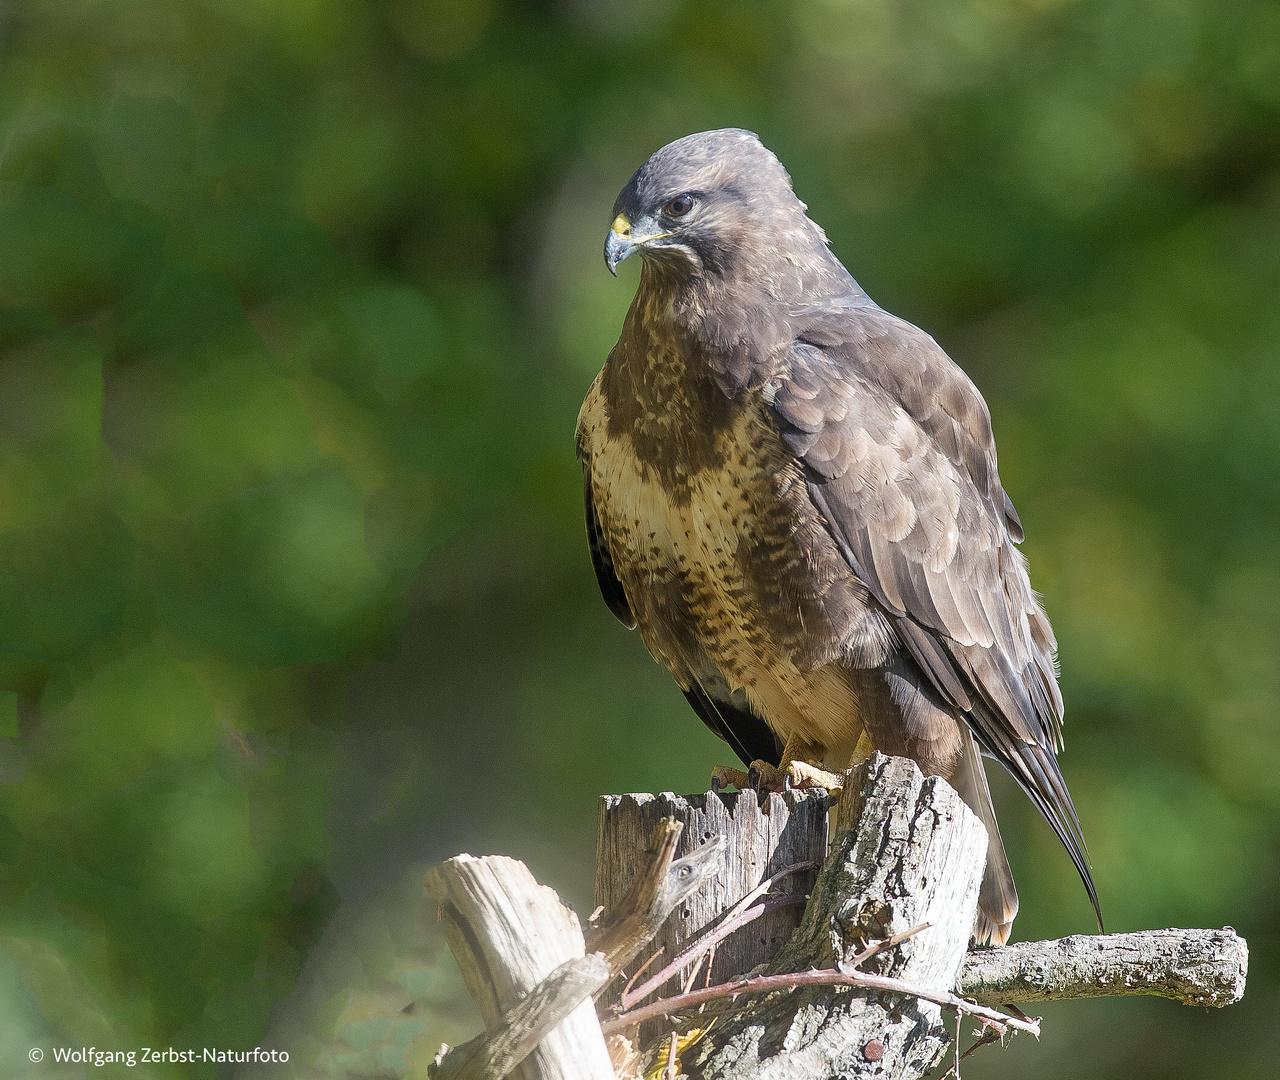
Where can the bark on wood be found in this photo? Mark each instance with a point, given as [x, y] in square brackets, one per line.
[1195, 967]
[915, 856]
[760, 839]
[508, 933]
[498, 1051]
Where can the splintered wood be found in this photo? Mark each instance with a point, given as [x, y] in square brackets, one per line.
[915, 855]
[787, 829]
[508, 934]
[854, 988]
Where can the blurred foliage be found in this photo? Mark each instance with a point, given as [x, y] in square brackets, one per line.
[298, 300]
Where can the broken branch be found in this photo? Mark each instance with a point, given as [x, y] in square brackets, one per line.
[1195, 967]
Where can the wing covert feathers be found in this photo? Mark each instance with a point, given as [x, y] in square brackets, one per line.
[900, 461]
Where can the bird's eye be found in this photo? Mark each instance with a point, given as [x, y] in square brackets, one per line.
[679, 206]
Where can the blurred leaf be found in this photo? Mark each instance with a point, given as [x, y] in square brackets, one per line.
[298, 300]
[398, 328]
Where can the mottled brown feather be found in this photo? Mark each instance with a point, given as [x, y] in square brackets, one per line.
[797, 499]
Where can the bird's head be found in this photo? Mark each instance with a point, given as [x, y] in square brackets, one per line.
[707, 203]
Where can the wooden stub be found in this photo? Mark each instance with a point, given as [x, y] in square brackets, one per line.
[1195, 967]
[508, 933]
[500, 1049]
[788, 828]
[661, 884]
[915, 855]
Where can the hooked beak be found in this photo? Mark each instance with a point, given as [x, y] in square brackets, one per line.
[618, 245]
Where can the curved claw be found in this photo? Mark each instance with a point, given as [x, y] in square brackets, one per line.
[722, 776]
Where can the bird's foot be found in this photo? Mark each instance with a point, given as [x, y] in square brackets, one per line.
[764, 777]
[804, 775]
[722, 776]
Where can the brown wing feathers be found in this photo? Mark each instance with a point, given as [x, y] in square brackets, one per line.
[900, 460]
[607, 578]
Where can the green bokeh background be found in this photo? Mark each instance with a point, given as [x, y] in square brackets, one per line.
[298, 301]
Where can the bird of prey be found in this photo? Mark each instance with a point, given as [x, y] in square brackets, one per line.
[793, 495]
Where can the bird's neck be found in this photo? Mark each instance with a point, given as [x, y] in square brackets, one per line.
[740, 324]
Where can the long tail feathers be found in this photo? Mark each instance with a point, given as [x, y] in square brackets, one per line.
[998, 897]
[1036, 770]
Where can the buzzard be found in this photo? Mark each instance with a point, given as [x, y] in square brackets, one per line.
[793, 495]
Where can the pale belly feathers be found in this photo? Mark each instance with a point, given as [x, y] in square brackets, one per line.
[704, 575]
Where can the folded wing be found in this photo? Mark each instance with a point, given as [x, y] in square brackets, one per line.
[900, 461]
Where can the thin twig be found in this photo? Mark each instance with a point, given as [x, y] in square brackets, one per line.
[640, 971]
[882, 946]
[669, 1073]
[705, 944]
[765, 983]
[767, 883]
[693, 974]
[959, 1020]
[990, 1033]
[734, 919]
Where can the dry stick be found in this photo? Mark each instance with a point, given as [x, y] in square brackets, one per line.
[734, 919]
[882, 946]
[765, 886]
[764, 983]
[702, 946]
[669, 1073]
[639, 971]
[990, 1033]
[499, 1050]
[662, 884]
[738, 917]
[711, 962]
[693, 974]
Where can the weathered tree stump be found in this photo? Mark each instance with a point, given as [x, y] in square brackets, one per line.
[761, 839]
[914, 856]
[857, 991]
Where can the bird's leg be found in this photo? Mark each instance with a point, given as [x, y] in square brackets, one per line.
[800, 768]
[801, 764]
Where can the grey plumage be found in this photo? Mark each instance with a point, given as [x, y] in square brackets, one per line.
[794, 495]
